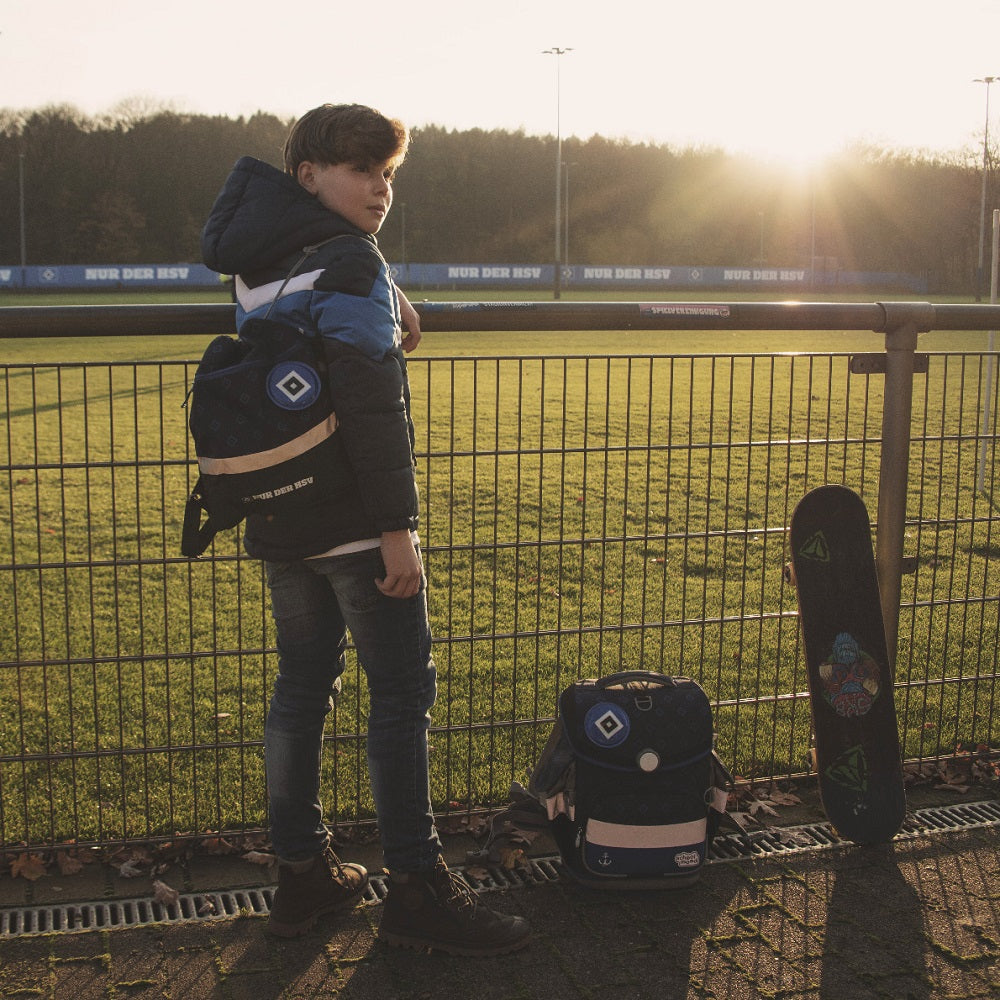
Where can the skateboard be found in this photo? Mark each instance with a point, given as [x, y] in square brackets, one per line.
[856, 755]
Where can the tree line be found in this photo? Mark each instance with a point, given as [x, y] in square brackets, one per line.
[136, 185]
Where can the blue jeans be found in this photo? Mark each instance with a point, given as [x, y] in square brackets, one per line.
[314, 602]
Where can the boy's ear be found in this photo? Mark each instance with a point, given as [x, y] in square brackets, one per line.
[306, 176]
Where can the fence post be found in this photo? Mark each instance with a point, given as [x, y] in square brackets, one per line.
[903, 322]
[988, 391]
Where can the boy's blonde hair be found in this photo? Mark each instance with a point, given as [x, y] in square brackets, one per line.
[345, 133]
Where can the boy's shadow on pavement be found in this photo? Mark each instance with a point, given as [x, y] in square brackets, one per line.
[875, 931]
[585, 943]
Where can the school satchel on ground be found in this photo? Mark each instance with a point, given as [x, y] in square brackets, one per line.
[263, 425]
[631, 782]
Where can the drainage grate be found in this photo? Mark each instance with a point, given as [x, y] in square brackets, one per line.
[133, 912]
[247, 902]
[818, 836]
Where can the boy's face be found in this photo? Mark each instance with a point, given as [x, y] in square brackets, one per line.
[360, 192]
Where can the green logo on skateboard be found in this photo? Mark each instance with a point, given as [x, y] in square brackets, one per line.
[850, 769]
[816, 548]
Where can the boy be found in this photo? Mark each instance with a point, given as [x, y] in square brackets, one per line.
[355, 562]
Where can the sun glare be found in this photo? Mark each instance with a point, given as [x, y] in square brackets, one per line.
[799, 147]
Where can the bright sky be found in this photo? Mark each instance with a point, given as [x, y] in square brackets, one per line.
[790, 79]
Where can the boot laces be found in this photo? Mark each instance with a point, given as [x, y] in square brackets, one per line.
[454, 890]
[336, 865]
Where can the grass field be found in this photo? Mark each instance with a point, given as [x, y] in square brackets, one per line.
[591, 502]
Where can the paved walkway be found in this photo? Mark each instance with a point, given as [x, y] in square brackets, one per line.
[919, 919]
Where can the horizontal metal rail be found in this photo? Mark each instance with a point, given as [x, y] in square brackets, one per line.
[219, 318]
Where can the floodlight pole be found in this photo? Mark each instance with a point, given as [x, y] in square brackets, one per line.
[565, 255]
[557, 280]
[24, 245]
[982, 204]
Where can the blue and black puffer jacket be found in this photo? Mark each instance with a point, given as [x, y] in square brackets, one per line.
[258, 229]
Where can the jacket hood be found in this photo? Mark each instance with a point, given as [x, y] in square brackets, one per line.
[262, 215]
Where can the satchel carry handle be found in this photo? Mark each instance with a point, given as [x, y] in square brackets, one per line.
[646, 677]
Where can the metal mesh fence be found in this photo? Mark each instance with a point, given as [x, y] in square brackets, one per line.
[581, 515]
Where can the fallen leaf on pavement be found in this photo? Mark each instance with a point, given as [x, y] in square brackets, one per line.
[511, 858]
[163, 893]
[779, 798]
[258, 858]
[130, 869]
[68, 864]
[29, 866]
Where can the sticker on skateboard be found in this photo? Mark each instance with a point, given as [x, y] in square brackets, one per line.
[850, 677]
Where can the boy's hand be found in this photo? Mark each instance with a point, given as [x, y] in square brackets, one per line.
[410, 319]
[403, 569]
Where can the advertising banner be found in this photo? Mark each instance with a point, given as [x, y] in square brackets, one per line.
[64, 276]
[494, 276]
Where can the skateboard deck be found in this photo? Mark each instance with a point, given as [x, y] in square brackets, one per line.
[857, 756]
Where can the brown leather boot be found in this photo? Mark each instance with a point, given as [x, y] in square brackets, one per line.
[439, 910]
[308, 890]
